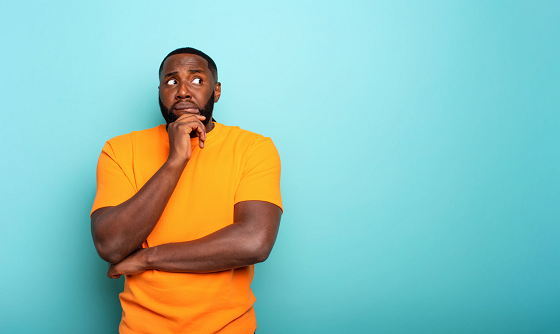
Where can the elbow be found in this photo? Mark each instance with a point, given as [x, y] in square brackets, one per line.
[260, 251]
[107, 252]
[259, 245]
[262, 257]
[106, 242]
[108, 257]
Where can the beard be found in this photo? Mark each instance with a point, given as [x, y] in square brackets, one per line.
[206, 111]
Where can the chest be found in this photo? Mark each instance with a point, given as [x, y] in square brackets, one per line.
[203, 199]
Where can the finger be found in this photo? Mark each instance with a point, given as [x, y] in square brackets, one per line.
[185, 117]
[193, 124]
[199, 128]
[201, 137]
[113, 274]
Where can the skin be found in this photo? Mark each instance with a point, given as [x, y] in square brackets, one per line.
[118, 232]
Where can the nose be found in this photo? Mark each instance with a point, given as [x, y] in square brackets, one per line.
[183, 92]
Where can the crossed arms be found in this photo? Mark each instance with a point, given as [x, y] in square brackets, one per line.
[119, 231]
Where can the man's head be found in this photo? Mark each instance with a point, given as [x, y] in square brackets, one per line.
[188, 83]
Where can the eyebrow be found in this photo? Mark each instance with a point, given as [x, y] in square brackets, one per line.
[170, 74]
[195, 70]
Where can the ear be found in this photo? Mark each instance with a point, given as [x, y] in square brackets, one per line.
[217, 91]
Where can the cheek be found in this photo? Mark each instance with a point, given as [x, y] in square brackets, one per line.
[205, 95]
[166, 94]
[166, 99]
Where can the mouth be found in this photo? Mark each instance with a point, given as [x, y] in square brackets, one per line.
[185, 107]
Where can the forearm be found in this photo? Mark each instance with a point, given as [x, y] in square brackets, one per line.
[247, 241]
[118, 231]
[234, 246]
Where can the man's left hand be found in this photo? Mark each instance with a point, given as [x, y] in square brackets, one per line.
[131, 265]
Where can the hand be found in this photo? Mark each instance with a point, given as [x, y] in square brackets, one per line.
[133, 264]
[180, 136]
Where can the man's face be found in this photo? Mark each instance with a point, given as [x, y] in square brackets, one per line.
[187, 87]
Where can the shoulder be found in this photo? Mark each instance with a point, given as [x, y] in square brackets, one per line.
[127, 141]
[252, 148]
[243, 138]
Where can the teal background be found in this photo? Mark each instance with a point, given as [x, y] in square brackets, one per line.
[419, 143]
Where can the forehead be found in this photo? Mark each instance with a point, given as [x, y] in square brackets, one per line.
[185, 62]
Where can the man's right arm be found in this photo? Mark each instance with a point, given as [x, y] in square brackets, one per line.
[119, 230]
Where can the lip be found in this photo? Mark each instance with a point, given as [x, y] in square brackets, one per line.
[186, 107]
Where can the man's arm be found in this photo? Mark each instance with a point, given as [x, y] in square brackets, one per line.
[248, 241]
[119, 230]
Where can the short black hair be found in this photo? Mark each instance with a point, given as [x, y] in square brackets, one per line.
[211, 64]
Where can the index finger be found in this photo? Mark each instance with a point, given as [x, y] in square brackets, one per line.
[184, 116]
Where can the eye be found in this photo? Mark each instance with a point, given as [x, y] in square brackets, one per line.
[172, 82]
[197, 80]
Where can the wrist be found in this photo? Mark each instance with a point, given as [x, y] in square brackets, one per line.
[147, 257]
[175, 164]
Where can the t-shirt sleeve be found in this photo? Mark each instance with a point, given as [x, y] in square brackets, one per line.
[260, 180]
[114, 186]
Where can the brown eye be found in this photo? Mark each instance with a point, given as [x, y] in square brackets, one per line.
[197, 80]
[172, 82]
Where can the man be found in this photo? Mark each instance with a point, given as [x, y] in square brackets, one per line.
[184, 210]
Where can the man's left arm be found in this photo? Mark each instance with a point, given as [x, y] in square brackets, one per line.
[247, 241]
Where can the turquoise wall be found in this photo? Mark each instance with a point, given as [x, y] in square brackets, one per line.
[419, 140]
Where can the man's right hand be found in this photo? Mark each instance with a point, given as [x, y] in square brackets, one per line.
[120, 230]
[179, 132]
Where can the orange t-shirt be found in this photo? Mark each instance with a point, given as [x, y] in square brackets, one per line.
[234, 166]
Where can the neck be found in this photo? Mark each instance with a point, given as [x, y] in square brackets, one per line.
[209, 126]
